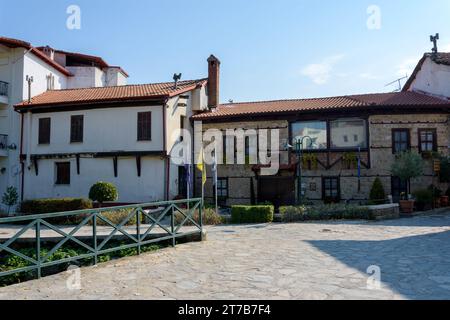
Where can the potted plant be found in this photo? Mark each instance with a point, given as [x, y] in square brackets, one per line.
[407, 166]
[10, 198]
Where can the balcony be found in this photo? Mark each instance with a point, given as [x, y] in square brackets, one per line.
[3, 145]
[4, 92]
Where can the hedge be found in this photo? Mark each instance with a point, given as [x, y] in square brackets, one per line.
[39, 206]
[324, 212]
[42, 206]
[252, 214]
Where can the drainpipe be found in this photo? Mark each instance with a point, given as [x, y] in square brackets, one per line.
[22, 164]
[167, 156]
[28, 140]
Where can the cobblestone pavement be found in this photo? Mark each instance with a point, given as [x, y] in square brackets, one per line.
[277, 261]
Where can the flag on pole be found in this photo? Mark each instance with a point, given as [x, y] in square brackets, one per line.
[359, 169]
[214, 168]
[201, 166]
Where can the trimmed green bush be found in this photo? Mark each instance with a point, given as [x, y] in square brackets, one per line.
[39, 206]
[423, 198]
[116, 217]
[103, 192]
[252, 214]
[324, 212]
[42, 206]
[377, 194]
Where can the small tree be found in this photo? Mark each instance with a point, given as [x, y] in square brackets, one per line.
[103, 191]
[377, 194]
[10, 197]
[408, 166]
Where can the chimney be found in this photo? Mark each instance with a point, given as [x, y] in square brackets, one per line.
[213, 81]
[49, 52]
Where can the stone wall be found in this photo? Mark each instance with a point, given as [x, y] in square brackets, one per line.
[376, 163]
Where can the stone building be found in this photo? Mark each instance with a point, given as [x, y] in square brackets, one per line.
[371, 128]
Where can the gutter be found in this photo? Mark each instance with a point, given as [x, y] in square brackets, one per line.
[167, 156]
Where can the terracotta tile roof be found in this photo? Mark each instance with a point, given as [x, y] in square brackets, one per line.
[96, 60]
[71, 97]
[15, 43]
[358, 102]
[442, 58]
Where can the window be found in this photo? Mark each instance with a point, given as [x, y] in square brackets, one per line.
[427, 140]
[400, 140]
[63, 173]
[331, 190]
[342, 129]
[316, 130]
[144, 126]
[44, 130]
[222, 188]
[76, 128]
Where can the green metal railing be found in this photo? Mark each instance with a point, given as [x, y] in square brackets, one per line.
[97, 246]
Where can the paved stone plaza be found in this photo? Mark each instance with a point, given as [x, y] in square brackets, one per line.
[277, 261]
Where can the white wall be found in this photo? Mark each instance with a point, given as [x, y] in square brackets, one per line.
[105, 130]
[433, 78]
[131, 188]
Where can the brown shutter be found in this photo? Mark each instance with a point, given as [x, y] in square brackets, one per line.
[144, 126]
[44, 130]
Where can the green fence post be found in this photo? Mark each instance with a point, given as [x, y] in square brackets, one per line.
[172, 224]
[200, 218]
[94, 236]
[138, 230]
[38, 248]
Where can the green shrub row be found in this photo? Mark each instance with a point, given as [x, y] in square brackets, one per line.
[42, 206]
[324, 212]
[252, 214]
[39, 206]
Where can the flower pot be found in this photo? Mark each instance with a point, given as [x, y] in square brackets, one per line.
[444, 201]
[407, 206]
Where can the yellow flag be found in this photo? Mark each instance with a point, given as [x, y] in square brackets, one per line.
[201, 166]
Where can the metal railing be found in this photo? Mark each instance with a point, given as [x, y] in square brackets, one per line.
[4, 88]
[143, 222]
[3, 141]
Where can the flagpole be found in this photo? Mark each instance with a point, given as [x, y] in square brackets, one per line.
[215, 181]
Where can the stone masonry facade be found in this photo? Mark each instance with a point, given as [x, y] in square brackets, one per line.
[376, 162]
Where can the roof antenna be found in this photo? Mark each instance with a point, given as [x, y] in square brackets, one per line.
[434, 39]
[399, 82]
[176, 78]
[30, 81]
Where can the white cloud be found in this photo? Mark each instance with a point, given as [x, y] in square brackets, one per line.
[407, 66]
[320, 73]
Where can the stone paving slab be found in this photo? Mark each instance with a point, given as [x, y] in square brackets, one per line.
[275, 261]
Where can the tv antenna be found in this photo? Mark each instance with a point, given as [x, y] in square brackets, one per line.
[399, 83]
[176, 78]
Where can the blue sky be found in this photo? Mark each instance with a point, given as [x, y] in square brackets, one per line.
[269, 49]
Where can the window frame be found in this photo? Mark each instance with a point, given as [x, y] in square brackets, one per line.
[44, 137]
[327, 138]
[329, 147]
[76, 129]
[366, 135]
[338, 189]
[226, 188]
[143, 136]
[65, 179]
[434, 133]
[408, 140]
